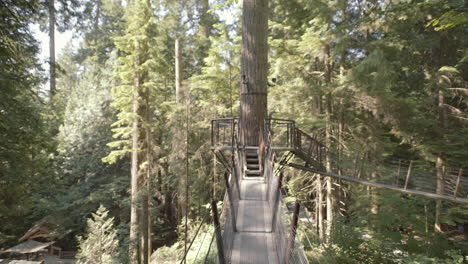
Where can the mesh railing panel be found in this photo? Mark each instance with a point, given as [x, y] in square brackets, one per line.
[212, 254]
[394, 173]
[228, 215]
[281, 216]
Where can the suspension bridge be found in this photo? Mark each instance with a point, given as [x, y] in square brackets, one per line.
[257, 225]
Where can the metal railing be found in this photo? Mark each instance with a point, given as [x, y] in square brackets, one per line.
[284, 222]
[412, 177]
[223, 131]
[309, 148]
[281, 132]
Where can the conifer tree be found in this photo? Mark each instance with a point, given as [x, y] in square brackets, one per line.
[25, 167]
[133, 128]
[100, 245]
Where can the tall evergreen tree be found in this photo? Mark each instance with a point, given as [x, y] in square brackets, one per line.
[24, 146]
[100, 244]
[131, 98]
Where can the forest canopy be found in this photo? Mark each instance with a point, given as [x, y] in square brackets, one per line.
[113, 132]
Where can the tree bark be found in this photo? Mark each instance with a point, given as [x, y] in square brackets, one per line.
[254, 70]
[52, 50]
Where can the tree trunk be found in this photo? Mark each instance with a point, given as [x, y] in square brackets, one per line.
[373, 196]
[442, 120]
[134, 234]
[144, 228]
[440, 163]
[328, 132]
[254, 70]
[205, 22]
[178, 70]
[150, 229]
[178, 142]
[329, 193]
[52, 50]
[97, 19]
[144, 176]
[319, 206]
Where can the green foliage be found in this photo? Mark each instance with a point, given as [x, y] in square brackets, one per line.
[100, 245]
[382, 64]
[216, 89]
[25, 146]
[136, 61]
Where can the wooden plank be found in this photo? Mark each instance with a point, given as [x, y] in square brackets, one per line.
[253, 241]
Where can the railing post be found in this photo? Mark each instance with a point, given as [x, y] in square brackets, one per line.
[298, 140]
[399, 171]
[234, 172]
[232, 133]
[231, 204]
[293, 231]
[276, 203]
[460, 171]
[217, 230]
[408, 174]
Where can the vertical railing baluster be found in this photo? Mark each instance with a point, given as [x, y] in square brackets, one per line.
[460, 171]
[276, 204]
[217, 230]
[398, 172]
[231, 204]
[408, 175]
[292, 233]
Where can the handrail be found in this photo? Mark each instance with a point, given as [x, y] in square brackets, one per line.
[224, 118]
[279, 119]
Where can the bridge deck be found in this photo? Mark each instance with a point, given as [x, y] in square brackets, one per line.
[254, 242]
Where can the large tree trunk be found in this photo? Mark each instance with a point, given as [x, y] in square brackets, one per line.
[144, 176]
[52, 49]
[254, 70]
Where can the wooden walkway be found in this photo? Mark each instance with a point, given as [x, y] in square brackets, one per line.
[254, 242]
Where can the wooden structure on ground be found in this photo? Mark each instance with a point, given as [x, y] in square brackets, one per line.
[44, 230]
[12, 261]
[29, 249]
